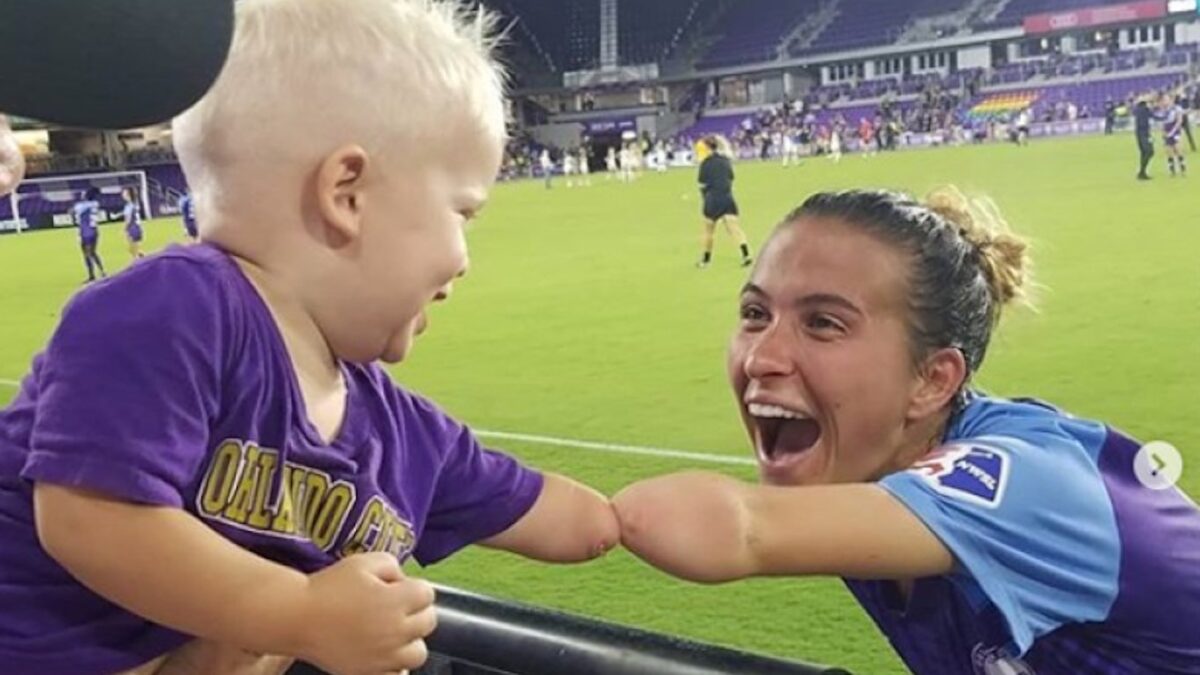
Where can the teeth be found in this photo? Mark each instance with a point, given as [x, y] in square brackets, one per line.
[762, 410]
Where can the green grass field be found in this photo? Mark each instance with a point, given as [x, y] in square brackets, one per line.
[583, 318]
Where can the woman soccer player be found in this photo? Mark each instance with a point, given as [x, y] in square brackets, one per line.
[86, 212]
[187, 212]
[1173, 118]
[716, 185]
[983, 535]
[133, 224]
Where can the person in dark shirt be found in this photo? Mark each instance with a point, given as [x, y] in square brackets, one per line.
[716, 186]
[1182, 103]
[1142, 116]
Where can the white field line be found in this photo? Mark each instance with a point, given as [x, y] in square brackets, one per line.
[703, 457]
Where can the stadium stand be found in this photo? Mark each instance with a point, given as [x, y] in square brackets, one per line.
[564, 37]
[753, 29]
[651, 32]
[872, 23]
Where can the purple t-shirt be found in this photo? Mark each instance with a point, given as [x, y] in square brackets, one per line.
[169, 384]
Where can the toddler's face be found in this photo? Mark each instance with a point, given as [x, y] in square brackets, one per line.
[413, 239]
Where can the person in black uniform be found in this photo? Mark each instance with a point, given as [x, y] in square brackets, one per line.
[1142, 116]
[716, 185]
[1184, 104]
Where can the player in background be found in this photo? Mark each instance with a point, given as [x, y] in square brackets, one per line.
[791, 147]
[568, 167]
[637, 157]
[835, 143]
[716, 187]
[1143, 116]
[133, 223]
[625, 159]
[610, 164]
[87, 216]
[1021, 127]
[660, 156]
[547, 164]
[866, 137]
[1182, 100]
[187, 214]
[584, 165]
[1173, 118]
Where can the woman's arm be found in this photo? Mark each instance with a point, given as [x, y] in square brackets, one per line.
[711, 528]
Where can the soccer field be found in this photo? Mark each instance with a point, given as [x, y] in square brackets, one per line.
[583, 319]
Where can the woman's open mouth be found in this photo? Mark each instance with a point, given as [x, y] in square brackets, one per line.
[783, 437]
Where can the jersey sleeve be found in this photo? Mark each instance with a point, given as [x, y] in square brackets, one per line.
[1028, 520]
[129, 384]
[479, 492]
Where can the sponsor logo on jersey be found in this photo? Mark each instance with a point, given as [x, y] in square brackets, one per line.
[967, 471]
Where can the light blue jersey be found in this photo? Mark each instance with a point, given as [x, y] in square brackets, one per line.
[1065, 562]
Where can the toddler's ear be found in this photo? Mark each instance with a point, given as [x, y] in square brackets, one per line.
[340, 195]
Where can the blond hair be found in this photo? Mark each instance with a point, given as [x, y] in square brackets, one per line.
[1003, 256]
[307, 76]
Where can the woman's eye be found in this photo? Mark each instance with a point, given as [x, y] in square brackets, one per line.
[753, 313]
[824, 322]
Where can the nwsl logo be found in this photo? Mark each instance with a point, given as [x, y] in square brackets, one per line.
[970, 472]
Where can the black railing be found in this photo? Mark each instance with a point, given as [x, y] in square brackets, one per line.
[477, 635]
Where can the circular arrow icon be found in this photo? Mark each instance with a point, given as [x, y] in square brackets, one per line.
[1158, 465]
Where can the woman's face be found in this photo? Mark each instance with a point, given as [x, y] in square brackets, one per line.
[820, 363]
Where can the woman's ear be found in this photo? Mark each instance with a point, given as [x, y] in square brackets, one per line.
[939, 380]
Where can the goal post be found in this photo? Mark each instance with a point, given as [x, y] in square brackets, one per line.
[46, 202]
